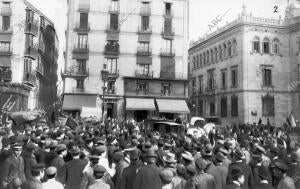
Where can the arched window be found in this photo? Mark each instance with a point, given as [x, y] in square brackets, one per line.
[212, 56]
[266, 46]
[197, 62]
[207, 57]
[234, 46]
[220, 53]
[275, 45]
[216, 54]
[201, 62]
[224, 51]
[204, 58]
[256, 45]
[229, 49]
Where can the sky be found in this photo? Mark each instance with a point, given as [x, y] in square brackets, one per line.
[202, 15]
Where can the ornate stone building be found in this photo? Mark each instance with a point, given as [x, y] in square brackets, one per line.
[134, 41]
[248, 69]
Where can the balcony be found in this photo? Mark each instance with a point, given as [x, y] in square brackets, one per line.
[112, 74]
[144, 51]
[142, 30]
[113, 28]
[143, 74]
[5, 75]
[111, 90]
[31, 51]
[29, 78]
[32, 27]
[168, 33]
[142, 91]
[6, 52]
[114, 9]
[145, 11]
[82, 28]
[210, 90]
[75, 74]
[173, 75]
[81, 49]
[112, 49]
[167, 52]
[6, 11]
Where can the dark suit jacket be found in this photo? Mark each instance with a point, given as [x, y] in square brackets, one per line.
[129, 175]
[263, 186]
[72, 173]
[220, 173]
[147, 178]
[32, 183]
[232, 186]
[247, 171]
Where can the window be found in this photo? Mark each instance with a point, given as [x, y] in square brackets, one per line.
[225, 51]
[200, 59]
[211, 80]
[267, 76]
[204, 58]
[29, 40]
[167, 45]
[81, 66]
[114, 5]
[80, 84]
[194, 62]
[200, 107]
[212, 109]
[266, 46]
[256, 45]
[207, 57]
[143, 69]
[111, 65]
[224, 106]
[211, 56]
[166, 89]
[234, 77]
[220, 53]
[223, 78]
[194, 86]
[234, 105]
[29, 16]
[168, 26]
[143, 46]
[145, 23]
[275, 46]
[111, 87]
[82, 41]
[84, 17]
[5, 23]
[6, 4]
[200, 78]
[114, 22]
[216, 55]
[268, 108]
[27, 65]
[168, 8]
[142, 87]
[298, 72]
[229, 49]
[234, 47]
[4, 46]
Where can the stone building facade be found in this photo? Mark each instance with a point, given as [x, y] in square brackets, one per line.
[248, 69]
[28, 58]
[143, 49]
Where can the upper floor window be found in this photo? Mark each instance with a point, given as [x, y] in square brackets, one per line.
[256, 45]
[225, 51]
[81, 66]
[200, 59]
[4, 46]
[6, 4]
[114, 21]
[82, 41]
[267, 76]
[204, 58]
[193, 86]
[167, 45]
[197, 60]
[211, 80]
[144, 46]
[166, 89]
[234, 105]
[207, 57]
[168, 8]
[145, 23]
[143, 69]
[111, 65]
[29, 40]
[80, 84]
[29, 16]
[211, 56]
[216, 55]
[229, 49]
[220, 53]
[234, 77]
[27, 65]
[275, 46]
[234, 46]
[223, 78]
[142, 87]
[268, 108]
[5, 23]
[115, 5]
[201, 85]
[266, 46]
[111, 87]
[84, 17]
[194, 62]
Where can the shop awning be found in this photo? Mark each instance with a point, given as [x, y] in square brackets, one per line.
[76, 102]
[172, 106]
[140, 104]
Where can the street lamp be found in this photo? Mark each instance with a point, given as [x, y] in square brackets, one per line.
[104, 75]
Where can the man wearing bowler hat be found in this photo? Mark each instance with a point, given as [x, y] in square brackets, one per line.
[12, 174]
[148, 176]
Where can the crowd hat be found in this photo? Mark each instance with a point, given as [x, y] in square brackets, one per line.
[280, 164]
[118, 156]
[147, 146]
[95, 153]
[239, 154]
[169, 158]
[150, 154]
[29, 146]
[99, 169]
[219, 157]
[201, 164]
[191, 169]
[187, 156]
[134, 154]
[38, 167]
[181, 170]
[166, 175]
[61, 147]
[51, 170]
[208, 150]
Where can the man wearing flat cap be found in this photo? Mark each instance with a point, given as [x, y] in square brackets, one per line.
[12, 174]
[280, 169]
[37, 172]
[98, 172]
[148, 176]
[51, 182]
[201, 179]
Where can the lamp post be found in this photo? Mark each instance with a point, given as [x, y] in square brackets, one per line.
[104, 75]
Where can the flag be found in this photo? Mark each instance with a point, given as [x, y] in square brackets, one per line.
[71, 123]
[292, 120]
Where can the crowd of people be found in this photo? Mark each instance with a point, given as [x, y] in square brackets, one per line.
[120, 155]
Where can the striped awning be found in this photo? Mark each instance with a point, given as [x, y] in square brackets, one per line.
[140, 104]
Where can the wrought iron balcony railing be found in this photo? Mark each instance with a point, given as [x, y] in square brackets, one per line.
[82, 27]
[143, 74]
[6, 75]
